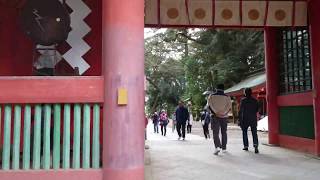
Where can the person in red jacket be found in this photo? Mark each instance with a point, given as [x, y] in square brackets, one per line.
[163, 122]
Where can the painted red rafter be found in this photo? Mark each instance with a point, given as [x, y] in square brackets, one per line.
[187, 10]
[294, 13]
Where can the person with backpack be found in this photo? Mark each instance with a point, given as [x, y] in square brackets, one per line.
[219, 105]
[205, 121]
[163, 122]
[249, 109]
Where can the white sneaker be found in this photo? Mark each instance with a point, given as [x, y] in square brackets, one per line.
[179, 138]
[224, 151]
[216, 151]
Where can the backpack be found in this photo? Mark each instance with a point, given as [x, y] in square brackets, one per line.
[164, 119]
[207, 118]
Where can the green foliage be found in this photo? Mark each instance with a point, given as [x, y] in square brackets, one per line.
[182, 63]
[165, 73]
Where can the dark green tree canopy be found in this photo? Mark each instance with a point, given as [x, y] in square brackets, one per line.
[183, 63]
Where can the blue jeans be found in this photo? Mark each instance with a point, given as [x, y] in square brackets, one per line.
[156, 127]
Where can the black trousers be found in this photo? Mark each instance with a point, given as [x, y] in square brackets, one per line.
[163, 129]
[189, 127]
[181, 129]
[253, 128]
[206, 130]
[220, 123]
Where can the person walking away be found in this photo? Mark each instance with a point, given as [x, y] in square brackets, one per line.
[249, 109]
[155, 121]
[163, 122]
[190, 122]
[219, 105]
[174, 122]
[205, 121]
[182, 115]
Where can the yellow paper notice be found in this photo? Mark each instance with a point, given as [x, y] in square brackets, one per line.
[122, 96]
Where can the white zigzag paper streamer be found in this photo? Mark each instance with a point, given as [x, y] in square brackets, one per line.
[75, 39]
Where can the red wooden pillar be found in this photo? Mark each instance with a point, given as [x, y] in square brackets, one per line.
[123, 58]
[314, 15]
[272, 71]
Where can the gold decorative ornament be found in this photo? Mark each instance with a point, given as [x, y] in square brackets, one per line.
[226, 14]
[173, 13]
[253, 14]
[280, 15]
[200, 13]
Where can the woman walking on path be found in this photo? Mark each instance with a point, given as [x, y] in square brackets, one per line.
[163, 122]
[249, 109]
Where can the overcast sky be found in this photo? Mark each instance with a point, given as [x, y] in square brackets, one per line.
[148, 32]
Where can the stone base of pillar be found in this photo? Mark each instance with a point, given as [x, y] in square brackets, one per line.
[124, 174]
[273, 139]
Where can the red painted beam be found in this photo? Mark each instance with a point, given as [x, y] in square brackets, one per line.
[297, 143]
[299, 99]
[51, 89]
[202, 26]
[52, 175]
[314, 28]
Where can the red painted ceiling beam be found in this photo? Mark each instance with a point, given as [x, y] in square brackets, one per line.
[13, 3]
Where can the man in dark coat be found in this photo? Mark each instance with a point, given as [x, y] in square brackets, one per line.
[249, 108]
[182, 116]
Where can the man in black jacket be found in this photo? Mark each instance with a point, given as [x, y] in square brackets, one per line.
[248, 118]
[182, 115]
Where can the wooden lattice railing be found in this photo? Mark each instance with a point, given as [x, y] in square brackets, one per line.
[53, 130]
[43, 136]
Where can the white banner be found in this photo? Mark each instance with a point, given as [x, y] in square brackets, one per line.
[227, 13]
